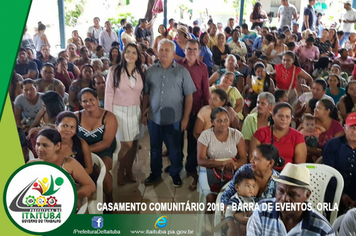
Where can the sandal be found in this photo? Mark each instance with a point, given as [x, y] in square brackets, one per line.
[130, 178]
[193, 186]
[121, 178]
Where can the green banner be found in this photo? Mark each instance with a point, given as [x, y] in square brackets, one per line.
[13, 15]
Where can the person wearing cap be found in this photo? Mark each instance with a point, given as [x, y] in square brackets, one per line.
[182, 38]
[347, 20]
[293, 187]
[107, 37]
[24, 66]
[309, 18]
[340, 153]
[286, 13]
[168, 96]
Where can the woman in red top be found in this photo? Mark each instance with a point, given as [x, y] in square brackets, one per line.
[285, 79]
[290, 142]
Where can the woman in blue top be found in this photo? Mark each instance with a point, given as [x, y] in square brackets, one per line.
[263, 159]
[206, 55]
[334, 90]
[180, 42]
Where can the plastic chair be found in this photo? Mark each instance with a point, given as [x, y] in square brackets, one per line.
[115, 167]
[218, 212]
[31, 156]
[98, 195]
[337, 223]
[83, 209]
[201, 215]
[320, 176]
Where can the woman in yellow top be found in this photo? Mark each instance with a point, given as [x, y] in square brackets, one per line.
[234, 96]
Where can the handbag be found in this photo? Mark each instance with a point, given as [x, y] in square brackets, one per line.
[217, 178]
[291, 83]
[157, 7]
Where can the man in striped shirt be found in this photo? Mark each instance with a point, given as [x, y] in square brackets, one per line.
[273, 216]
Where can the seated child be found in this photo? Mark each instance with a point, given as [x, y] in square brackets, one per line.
[246, 189]
[311, 133]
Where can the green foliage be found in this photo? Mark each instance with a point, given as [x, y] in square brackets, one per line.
[248, 6]
[72, 16]
[115, 23]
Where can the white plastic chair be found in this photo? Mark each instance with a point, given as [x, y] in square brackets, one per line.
[83, 209]
[320, 176]
[337, 223]
[31, 157]
[98, 195]
[201, 215]
[115, 167]
[218, 212]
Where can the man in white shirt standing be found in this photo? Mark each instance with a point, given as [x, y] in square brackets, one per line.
[286, 14]
[107, 37]
[347, 20]
[95, 30]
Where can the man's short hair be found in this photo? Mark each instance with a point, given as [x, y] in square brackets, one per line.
[268, 96]
[193, 41]
[167, 41]
[242, 175]
[170, 20]
[244, 26]
[123, 21]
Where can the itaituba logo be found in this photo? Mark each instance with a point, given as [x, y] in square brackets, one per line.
[48, 199]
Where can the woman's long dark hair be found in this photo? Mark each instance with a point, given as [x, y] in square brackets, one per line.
[349, 103]
[255, 13]
[118, 60]
[330, 106]
[292, 55]
[166, 32]
[222, 96]
[202, 44]
[54, 104]
[77, 144]
[123, 66]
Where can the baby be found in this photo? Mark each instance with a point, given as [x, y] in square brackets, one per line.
[246, 187]
[311, 132]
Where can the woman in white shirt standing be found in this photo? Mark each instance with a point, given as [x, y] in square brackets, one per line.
[128, 35]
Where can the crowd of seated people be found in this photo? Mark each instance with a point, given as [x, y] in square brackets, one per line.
[251, 100]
